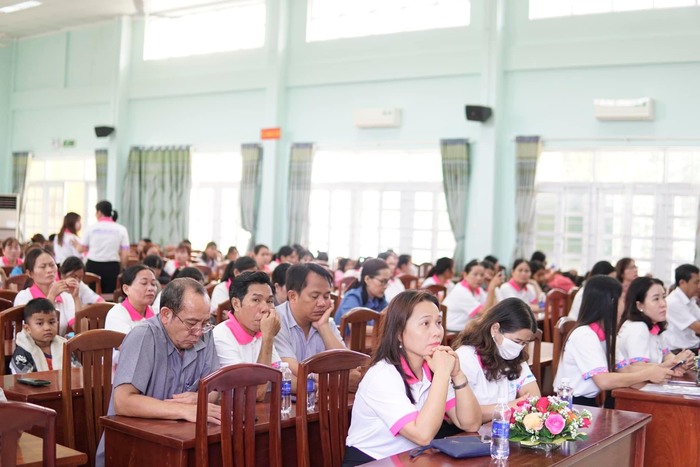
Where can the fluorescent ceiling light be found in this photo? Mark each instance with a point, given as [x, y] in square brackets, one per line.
[20, 6]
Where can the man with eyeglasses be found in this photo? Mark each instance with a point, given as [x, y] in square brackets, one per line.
[161, 362]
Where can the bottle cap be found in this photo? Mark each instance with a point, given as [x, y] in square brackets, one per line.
[284, 365]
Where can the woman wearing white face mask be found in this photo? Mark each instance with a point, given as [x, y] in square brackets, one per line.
[492, 354]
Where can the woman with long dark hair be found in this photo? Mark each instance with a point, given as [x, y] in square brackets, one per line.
[404, 396]
[369, 291]
[441, 274]
[67, 242]
[601, 268]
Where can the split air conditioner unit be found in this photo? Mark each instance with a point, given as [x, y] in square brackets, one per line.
[9, 215]
[377, 118]
[624, 109]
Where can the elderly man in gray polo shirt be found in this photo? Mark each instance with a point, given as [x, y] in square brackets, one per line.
[161, 362]
[305, 329]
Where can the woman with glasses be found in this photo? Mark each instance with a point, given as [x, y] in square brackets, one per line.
[369, 291]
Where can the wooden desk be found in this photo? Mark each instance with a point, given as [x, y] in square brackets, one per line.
[615, 438]
[672, 438]
[30, 453]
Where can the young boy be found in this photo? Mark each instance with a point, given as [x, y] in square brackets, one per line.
[39, 348]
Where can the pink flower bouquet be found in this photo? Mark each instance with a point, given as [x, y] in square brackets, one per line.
[548, 421]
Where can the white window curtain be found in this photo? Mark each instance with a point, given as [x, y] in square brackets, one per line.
[527, 153]
[251, 159]
[455, 179]
[300, 164]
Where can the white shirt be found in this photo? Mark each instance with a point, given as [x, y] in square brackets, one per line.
[219, 295]
[488, 392]
[156, 303]
[576, 305]
[512, 289]
[463, 304]
[65, 305]
[123, 318]
[67, 249]
[234, 345]
[434, 280]
[87, 295]
[584, 357]
[636, 343]
[381, 409]
[105, 240]
[394, 288]
[682, 312]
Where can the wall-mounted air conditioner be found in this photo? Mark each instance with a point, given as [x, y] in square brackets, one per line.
[9, 215]
[624, 109]
[377, 118]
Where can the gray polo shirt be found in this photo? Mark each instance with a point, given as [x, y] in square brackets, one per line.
[291, 342]
[149, 361]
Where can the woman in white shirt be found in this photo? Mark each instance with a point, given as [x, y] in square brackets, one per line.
[67, 243]
[640, 340]
[521, 286]
[588, 358]
[492, 354]
[441, 274]
[467, 299]
[395, 286]
[139, 284]
[73, 267]
[404, 396]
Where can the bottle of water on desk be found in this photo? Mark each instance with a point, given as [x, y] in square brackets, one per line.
[311, 392]
[565, 391]
[286, 388]
[500, 430]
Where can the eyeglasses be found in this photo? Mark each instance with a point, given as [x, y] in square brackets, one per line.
[382, 281]
[194, 330]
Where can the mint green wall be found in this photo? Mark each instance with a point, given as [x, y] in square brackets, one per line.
[544, 81]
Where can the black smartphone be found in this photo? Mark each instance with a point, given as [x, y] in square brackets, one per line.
[33, 381]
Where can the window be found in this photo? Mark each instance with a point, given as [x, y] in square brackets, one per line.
[58, 184]
[365, 202]
[605, 204]
[540, 9]
[335, 19]
[237, 27]
[215, 213]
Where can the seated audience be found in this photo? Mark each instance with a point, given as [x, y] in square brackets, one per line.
[142, 248]
[210, 256]
[191, 272]
[494, 261]
[262, 256]
[441, 274]
[67, 242]
[279, 281]
[220, 294]
[38, 347]
[11, 251]
[404, 265]
[601, 268]
[345, 265]
[467, 300]
[155, 262]
[181, 260]
[683, 313]
[162, 362]
[625, 272]
[493, 356]
[369, 291]
[139, 284]
[489, 273]
[539, 256]
[588, 357]
[395, 285]
[73, 267]
[521, 286]
[247, 336]
[42, 269]
[406, 393]
[231, 254]
[286, 254]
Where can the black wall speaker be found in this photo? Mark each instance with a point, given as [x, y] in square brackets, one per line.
[102, 131]
[478, 113]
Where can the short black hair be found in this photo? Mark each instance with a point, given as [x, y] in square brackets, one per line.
[536, 266]
[257, 248]
[241, 283]
[38, 305]
[244, 263]
[538, 256]
[153, 261]
[279, 274]
[131, 272]
[174, 293]
[192, 273]
[684, 272]
[297, 274]
[404, 259]
[70, 264]
[491, 258]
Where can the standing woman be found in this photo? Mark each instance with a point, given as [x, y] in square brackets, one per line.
[468, 299]
[107, 245]
[406, 393]
[369, 291]
[441, 274]
[521, 286]
[67, 243]
[588, 357]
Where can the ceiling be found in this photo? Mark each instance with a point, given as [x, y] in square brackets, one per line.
[55, 15]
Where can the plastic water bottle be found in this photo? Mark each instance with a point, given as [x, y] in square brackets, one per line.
[500, 430]
[566, 392]
[311, 393]
[286, 388]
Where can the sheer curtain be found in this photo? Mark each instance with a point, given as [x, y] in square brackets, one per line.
[527, 153]
[251, 160]
[300, 164]
[455, 180]
[157, 193]
[21, 161]
[101, 173]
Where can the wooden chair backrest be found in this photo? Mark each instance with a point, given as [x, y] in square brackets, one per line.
[357, 319]
[22, 416]
[423, 269]
[554, 308]
[8, 294]
[118, 292]
[570, 298]
[92, 317]
[93, 349]
[210, 287]
[20, 280]
[238, 385]
[409, 281]
[440, 291]
[443, 312]
[536, 366]
[221, 311]
[345, 284]
[92, 278]
[5, 304]
[10, 325]
[333, 370]
[336, 303]
[562, 329]
[7, 270]
[206, 272]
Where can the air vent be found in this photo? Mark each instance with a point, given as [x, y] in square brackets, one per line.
[8, 202]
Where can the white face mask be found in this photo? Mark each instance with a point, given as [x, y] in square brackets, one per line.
[508, 349]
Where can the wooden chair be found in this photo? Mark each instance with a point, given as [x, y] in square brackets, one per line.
[536, 366]
[5, 304]
[409, 281]
[238, 385]
[8, 294]
[221, 311]
[423, 269]
[210, 287]
[447, 338]
[93, 350]
[10, 325]
[570, 298]
[562, 329]
[92, 317]
[118, 295]
[554, 308]
[440, 291]
[8, 270]
[333, 370]
[22, 416]
[345, 284]
[357, 320]
[206, 272]
[91, 278]
[336, 303]
[20, 280]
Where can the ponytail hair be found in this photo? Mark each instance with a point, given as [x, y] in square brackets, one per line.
[105, 207]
